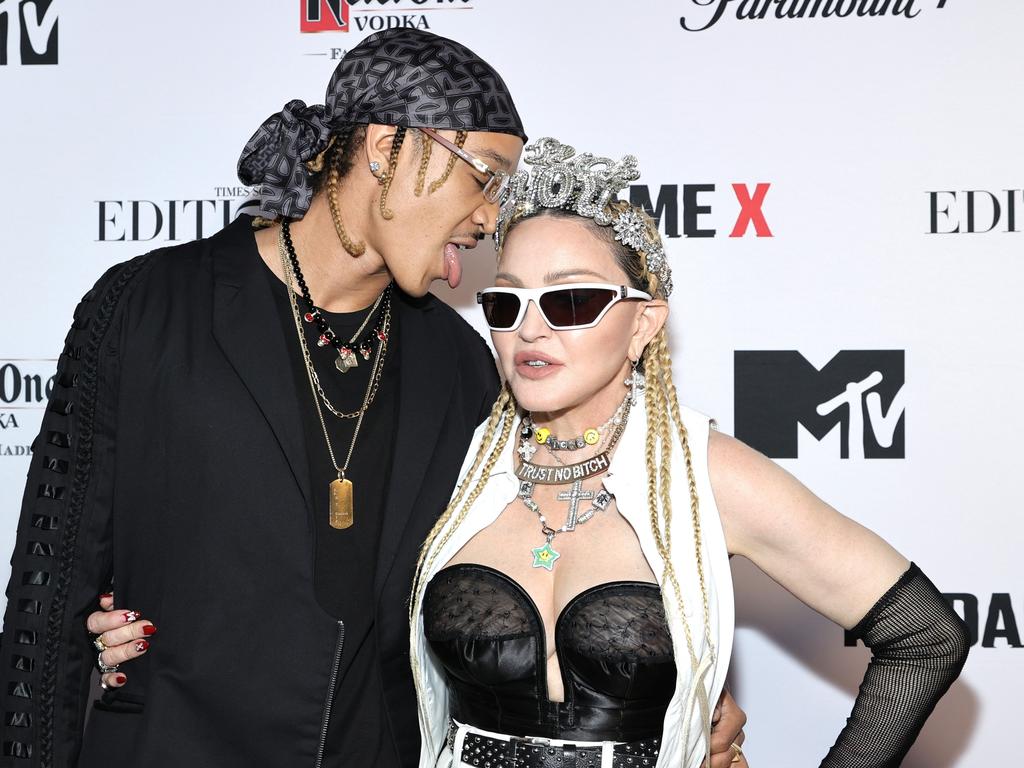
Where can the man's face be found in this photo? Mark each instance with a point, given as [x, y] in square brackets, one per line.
[427, 238]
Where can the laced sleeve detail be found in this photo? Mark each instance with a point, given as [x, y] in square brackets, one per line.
[45, 655]
[919, 645]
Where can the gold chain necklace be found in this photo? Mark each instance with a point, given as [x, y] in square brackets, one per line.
[341, 513]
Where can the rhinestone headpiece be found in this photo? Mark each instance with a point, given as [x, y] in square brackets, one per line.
[586, 185]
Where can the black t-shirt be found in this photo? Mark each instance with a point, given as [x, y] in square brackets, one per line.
[345, 560]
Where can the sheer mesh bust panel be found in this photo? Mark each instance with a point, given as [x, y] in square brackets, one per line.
[617, 622]
[473, 603]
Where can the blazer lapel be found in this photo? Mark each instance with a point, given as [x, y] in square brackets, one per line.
[247, 328]
[429, 361]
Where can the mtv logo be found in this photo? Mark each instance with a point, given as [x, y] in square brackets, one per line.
[28, 32]
[323, 16]
[860, 391]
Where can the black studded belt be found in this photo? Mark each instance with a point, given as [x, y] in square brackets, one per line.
[481, 751]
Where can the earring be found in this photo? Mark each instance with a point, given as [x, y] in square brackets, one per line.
[374, 167]
[635, 382]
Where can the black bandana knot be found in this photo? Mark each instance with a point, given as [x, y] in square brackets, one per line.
[276, 157]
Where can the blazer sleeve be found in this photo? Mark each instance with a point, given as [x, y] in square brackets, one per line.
[62, 554]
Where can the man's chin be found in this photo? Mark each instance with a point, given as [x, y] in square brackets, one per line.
[417, 289]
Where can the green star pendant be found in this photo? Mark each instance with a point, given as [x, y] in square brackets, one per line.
[544, 557]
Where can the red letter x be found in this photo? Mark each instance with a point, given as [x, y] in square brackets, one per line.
[750, 210]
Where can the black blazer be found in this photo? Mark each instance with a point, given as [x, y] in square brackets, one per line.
[171, 463]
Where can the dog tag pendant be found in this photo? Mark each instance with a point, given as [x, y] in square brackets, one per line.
[341, 504]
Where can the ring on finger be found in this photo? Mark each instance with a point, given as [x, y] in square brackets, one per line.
[737, 753]
[98, 643]
[104, 668]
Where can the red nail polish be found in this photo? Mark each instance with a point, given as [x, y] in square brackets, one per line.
[149, 629]
[129, 616]
[142, 645]
[105, 595]
[121, 679]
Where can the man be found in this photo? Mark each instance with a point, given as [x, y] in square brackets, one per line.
[255, 471]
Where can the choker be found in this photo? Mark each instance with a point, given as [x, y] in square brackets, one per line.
[564, 474]
[347, 358]
[591, 436]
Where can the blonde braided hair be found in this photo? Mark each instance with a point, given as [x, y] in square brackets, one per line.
[503, 415]
[425, 145]
[436, 184]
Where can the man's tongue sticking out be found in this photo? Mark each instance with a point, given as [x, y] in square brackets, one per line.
[453, 265]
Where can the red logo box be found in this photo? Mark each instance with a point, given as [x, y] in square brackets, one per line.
[323, 16]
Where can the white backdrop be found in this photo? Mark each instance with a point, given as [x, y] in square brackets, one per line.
[851, 119]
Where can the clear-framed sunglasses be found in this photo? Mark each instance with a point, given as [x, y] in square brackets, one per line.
[497, 180]
[566, 307]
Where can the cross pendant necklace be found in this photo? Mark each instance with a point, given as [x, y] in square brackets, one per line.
[574, 496]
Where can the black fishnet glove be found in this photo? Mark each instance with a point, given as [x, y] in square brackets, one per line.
[919, 645]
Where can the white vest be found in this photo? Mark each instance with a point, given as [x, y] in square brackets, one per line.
[627, 480]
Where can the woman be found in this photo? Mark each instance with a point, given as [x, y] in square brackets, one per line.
[602, 639]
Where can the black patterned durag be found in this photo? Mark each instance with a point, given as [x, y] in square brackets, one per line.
[397, 77]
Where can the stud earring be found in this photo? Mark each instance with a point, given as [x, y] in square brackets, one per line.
[375, 170]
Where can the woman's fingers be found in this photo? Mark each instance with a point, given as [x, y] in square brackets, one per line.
[114, 679]
[123, 636]
[101, 621]
[126, 633]
[119, 654]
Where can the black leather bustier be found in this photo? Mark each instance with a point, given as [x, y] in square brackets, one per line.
[614, 651]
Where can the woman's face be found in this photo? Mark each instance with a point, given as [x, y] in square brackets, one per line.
[555, 371]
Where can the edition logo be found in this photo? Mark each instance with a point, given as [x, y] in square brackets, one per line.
[28, 32]
[174, 220]
[973, 211]
[1000, 621]
[758, 10]
[860, 391]
[665, 208]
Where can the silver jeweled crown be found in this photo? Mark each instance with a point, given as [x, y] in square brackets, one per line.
[584, 184]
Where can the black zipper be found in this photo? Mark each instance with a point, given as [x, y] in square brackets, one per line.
[329, 702]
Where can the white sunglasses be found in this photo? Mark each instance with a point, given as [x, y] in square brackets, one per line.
[566, 307]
